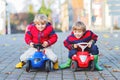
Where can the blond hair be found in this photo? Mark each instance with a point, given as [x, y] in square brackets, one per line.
[79, 26]
[40, 18]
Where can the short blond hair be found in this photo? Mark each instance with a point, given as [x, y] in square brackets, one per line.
[40, 18]
[79, 26]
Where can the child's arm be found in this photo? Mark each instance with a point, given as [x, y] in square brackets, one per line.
[94, 36]
[91, 42]
[52, 38]
[28, 35]
[68, 45]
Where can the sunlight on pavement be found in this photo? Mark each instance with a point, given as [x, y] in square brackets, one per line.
[14, 38]
[116, 48]
[106, 36]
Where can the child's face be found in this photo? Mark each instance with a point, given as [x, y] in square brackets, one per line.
[40, 26]
[78, 33]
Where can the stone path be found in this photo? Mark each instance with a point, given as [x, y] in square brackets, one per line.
[12, 46]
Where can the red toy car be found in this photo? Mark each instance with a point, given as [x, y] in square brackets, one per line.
[82, 59]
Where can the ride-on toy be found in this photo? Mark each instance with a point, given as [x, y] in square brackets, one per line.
[82, 59]
[38, 60]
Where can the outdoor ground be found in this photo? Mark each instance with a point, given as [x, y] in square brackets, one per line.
[12, 46]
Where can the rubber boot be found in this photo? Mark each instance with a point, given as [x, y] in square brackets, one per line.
[66, 65]
[20, 65]
[96, 63]
[55, 66]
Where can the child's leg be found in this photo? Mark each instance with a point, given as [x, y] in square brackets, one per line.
[94, 50]
[71, 53]
[25, 56]
[67, 64]
[96, 63]
[49, 53]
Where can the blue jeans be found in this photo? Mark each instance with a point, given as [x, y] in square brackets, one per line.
[93, 50]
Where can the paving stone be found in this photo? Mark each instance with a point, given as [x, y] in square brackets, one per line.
[12, 46]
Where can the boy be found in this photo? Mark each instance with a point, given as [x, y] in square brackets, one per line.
[40, 31]
[80, 34]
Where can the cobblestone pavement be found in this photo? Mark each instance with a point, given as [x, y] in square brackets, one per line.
[12, 46]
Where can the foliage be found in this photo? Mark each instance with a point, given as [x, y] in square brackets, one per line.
[44, 10]
[30, 14]
[30, 18]
[31, 9]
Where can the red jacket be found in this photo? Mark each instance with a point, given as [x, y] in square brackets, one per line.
[87, 36]
[32, 34]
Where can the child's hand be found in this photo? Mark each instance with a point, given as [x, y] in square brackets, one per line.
[31, 44]
[75, 45]
[90, 43]
[45, 44]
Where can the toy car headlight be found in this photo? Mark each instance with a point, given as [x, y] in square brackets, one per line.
[43, 57]
[82, 58]
[37, 59]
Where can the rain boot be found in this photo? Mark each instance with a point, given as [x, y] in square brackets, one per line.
[20, 65]
[55, 66]
[96, 63]
[66, 65]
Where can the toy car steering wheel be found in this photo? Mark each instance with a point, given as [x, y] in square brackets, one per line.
[83, 45]
[38, 46]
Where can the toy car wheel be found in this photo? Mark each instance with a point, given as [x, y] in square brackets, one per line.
[28, 66]
[48, 65]
[73, 66]
[91, 65]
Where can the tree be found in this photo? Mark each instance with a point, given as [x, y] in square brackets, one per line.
[30, 17]
[30, 9]
[30, 14]
[45, 10]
